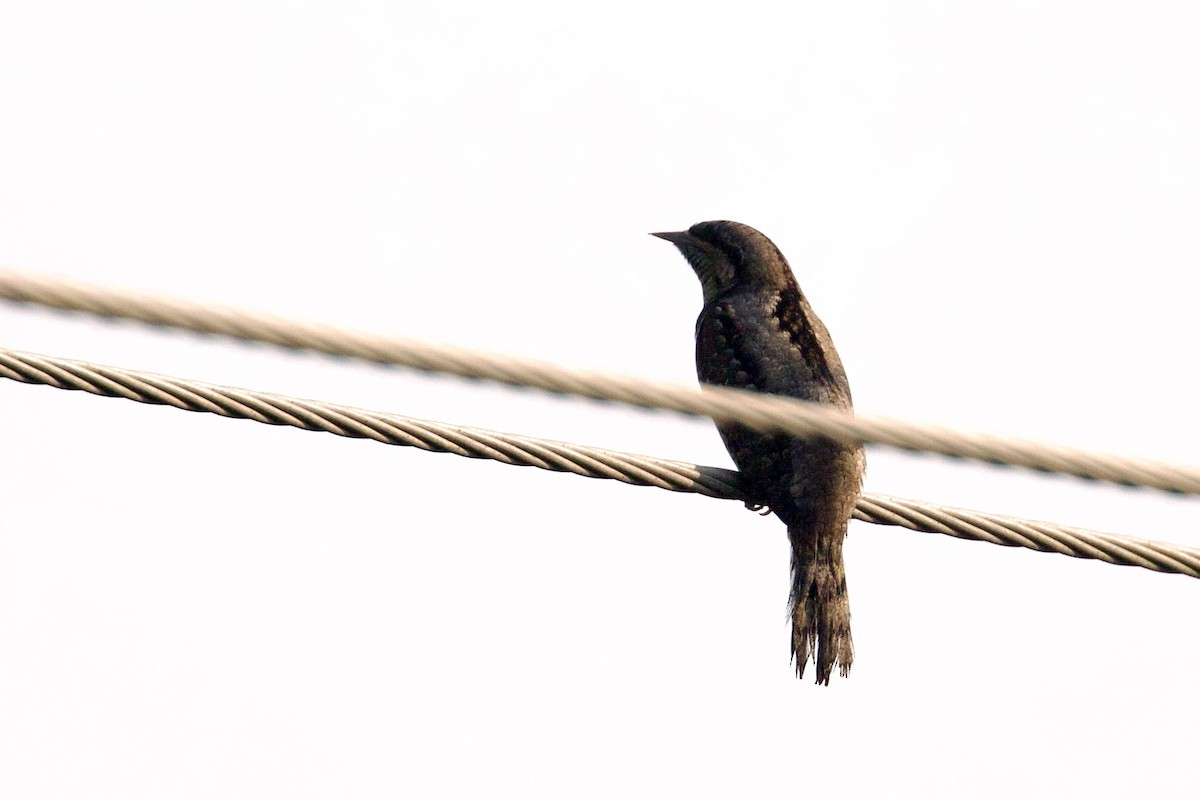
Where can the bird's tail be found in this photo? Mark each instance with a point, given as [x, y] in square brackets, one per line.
[820, 604]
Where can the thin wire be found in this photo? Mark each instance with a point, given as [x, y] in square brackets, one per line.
[766, 413]
[590, 462]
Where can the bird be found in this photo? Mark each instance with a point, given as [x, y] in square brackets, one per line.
[757, 331]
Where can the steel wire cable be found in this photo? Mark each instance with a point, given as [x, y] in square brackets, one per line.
[766, 413]
[591, 462]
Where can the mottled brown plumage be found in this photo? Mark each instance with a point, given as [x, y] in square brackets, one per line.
[757, 331]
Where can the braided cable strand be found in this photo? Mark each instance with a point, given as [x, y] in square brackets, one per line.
[766, 413]
[1044, 537]
[590, 462]
[272, 409]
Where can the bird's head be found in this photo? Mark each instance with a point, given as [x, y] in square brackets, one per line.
[725, 255]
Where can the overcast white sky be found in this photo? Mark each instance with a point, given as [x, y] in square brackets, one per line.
[992, 206]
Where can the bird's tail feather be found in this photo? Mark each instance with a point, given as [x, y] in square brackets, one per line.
[820, 605]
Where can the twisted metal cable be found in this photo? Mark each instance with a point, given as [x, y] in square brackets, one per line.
[590, 462]
[766, 413]
[1044, 537]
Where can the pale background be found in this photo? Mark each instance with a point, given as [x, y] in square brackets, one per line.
[993, 206]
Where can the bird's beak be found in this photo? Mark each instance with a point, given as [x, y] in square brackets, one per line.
[676, 238]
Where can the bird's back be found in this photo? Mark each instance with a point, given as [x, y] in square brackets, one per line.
[776, 344]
